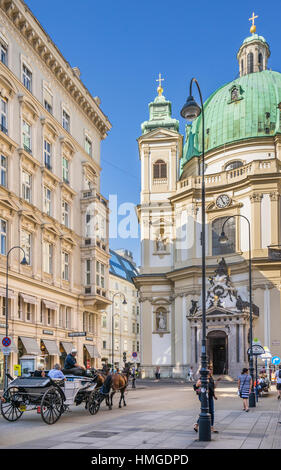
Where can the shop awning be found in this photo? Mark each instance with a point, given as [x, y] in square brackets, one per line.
[30, 345]
[13, 347]
[28, 299]
[67, 346]
[50, 305]
[51, 347]
[11, 294]
[92, 350]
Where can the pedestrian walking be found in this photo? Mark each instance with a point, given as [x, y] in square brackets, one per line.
[211, 397]
[133, 377]
[278, 382]
[190, 374]
[244, 387]
[157, 373]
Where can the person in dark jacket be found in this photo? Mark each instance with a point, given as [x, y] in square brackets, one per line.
[71, 366]
[211, 398]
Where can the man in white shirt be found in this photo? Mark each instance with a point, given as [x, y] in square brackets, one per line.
[278, 382]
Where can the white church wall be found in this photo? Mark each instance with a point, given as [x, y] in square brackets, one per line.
[161, 350]
[244, 233]
[266, 221]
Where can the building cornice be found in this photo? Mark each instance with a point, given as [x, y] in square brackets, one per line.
[31, 30]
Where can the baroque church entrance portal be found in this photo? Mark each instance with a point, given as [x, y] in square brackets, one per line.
[217, 352]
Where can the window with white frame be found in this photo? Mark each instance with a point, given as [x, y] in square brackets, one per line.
[4, 115]
[48, 106]
[133, 327]
[88, 272]
[49, 316]
[65, 121]
[26, 136]
[138, 346]
[47, 257]
[100, 274]
[3, 169]
[26, 185]
[65, 266]
[27, 77]
[4, 53]
[65, 213]
[3, 233]
[68, 318]
[47, 203]
[88, 146]
[65, 170]
[26, 244]
[104, 345]
[116, 344]
[28, 312]
[47, 154]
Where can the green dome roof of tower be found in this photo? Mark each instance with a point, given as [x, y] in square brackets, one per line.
[160, 115]
[245, 108]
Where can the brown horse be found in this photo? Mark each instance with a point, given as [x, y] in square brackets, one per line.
[119, 383]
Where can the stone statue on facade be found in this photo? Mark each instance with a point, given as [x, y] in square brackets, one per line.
[161, 243]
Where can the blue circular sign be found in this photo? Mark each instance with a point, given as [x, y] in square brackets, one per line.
[134, 354]
[6, 341]
[276, 360]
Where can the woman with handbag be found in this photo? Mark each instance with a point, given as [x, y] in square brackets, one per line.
[211, 397]
[244, 387]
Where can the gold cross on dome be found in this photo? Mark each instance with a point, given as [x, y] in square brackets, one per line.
[252, 19]
[160, 89]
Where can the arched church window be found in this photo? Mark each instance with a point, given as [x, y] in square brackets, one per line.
[233, 165]
[250, 62]
[230, 231]
[260, 62]
[160, 169]
[161, 319]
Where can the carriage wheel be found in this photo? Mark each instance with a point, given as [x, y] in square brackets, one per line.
[11, 408]
[94, 403]
[51, 406]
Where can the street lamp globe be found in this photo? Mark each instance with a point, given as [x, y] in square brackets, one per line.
[24, 261]
[191, 110]
[223, 238]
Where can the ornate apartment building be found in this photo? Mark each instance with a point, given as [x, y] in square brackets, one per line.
[126, 317]
[50, 201]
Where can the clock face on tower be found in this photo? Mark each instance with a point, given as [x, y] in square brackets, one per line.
[223, 201]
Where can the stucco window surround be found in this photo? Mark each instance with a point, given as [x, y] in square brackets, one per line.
[5, 47]
[65, 118]
[235, 222]
[236, 163]
[25, 64]
[161, 316]
[47, 97]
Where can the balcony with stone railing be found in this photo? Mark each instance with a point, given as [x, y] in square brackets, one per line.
[256, 167]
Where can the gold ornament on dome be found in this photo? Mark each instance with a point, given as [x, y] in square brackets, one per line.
[160, 89]
[253, 27]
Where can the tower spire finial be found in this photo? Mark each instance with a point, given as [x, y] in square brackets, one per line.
[253, 27]
[160, 89]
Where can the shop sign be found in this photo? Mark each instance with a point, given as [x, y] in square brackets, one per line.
[77, 333]
[48, 332]
[89, 339]
[17, 370]
[2, 325]
[6, 351]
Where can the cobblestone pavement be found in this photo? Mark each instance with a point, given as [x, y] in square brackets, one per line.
[160, 418]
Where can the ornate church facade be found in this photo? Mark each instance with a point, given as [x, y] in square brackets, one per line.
[242, 178]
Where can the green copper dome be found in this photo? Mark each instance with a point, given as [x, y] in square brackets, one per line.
[160, 115]
[244, 108]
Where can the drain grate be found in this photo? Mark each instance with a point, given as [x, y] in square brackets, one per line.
[101, 434]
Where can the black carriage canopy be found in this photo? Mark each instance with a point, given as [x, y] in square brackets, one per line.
[31, 382]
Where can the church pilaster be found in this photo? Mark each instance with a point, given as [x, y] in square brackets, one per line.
[274, 204]
[255, 199]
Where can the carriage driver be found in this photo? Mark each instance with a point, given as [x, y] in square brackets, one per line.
[71, 366]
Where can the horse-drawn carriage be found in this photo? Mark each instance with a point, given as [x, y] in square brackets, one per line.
[50, 397]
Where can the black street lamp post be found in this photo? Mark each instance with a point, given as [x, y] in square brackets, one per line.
[24, 262]
[112, 324]
[190, 111]
[223, 239]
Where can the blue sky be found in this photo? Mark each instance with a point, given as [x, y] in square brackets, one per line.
[121, 46]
